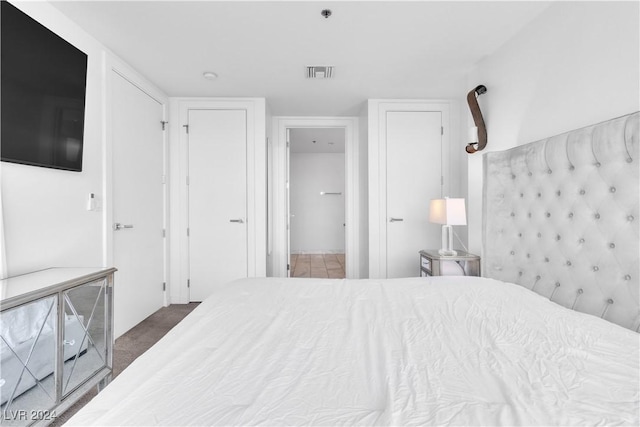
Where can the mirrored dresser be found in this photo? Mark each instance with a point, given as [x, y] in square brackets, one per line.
[56, 341]
[432, 263]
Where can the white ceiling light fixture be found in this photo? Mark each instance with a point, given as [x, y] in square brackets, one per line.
[209, 75]
[320, 71]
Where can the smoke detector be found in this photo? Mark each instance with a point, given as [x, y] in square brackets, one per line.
[320, 71]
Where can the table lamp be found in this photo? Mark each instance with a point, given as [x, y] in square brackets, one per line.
[447, 212]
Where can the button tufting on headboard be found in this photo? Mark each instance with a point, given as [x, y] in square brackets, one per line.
[559, 218]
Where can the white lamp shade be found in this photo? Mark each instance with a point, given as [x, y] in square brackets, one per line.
[447, 211]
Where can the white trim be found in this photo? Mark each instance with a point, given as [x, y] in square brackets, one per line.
[178, 172]
[377, 110]
[113, 64]
[352, 186]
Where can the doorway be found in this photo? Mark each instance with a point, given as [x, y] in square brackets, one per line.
[410, 165]
[138, 202]
[317, 202]
[218, 244]
[355, 263]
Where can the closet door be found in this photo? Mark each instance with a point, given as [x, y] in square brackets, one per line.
[408, 158]
[217, 199]
[138, 203]
[414, 171]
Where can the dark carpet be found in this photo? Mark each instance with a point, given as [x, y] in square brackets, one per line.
[133, 343]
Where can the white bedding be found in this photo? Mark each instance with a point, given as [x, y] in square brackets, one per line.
[423, 351]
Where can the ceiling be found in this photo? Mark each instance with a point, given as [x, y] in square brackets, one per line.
[380, 49]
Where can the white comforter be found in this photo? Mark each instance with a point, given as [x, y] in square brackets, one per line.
[423, 351]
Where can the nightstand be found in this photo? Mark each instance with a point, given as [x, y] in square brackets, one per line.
[462, 264]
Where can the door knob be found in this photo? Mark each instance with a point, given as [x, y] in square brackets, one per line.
[239, 220]
[396, 219]
[117, 226]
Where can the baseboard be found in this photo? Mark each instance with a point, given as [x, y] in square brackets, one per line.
[328, 251]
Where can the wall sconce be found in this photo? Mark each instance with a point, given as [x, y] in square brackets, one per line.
[477, 134]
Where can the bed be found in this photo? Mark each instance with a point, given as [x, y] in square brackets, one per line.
[549, 337]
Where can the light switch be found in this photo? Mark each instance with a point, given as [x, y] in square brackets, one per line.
[91, 202]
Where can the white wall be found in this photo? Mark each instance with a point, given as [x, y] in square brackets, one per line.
[317, 220]
[575, 65]
[45, 217]
[46, 221]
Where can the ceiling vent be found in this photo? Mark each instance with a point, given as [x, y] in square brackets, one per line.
[320, 72]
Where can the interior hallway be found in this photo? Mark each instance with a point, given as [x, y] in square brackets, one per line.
[318, 265]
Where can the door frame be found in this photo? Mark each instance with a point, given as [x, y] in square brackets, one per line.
[377, 110]
[178, 187]
[112, 64]
[280, 244]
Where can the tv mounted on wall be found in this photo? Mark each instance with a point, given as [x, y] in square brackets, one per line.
[43, 86]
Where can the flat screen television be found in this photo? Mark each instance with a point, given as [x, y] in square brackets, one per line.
[42, 92]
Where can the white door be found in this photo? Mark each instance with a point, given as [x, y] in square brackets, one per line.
[414, 176]
[217, 199]
[138, 204]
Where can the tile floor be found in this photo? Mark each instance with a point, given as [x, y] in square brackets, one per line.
[318, 265]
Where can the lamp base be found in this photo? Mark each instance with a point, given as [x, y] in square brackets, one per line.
[447, 242]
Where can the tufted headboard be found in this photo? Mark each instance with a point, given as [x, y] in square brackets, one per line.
[561, 218]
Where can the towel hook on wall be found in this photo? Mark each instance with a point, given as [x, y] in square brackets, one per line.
[479, 141]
